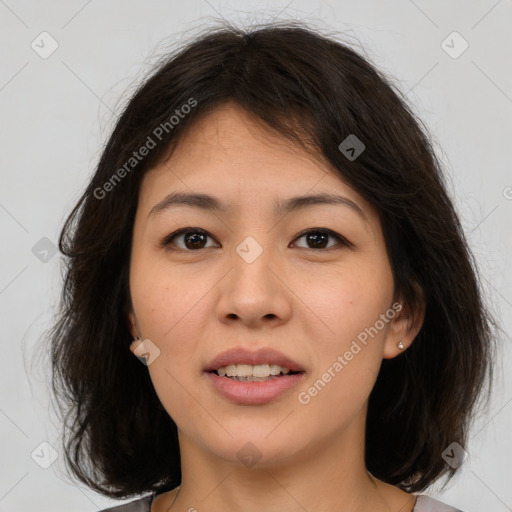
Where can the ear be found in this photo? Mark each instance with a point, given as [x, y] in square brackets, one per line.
[132, 322]
[405, 325]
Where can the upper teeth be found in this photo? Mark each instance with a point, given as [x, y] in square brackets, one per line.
[247, 370]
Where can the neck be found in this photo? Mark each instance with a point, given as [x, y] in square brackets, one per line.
[329, 476]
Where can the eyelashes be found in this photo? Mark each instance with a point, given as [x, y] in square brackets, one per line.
[167, 241]
[200, 236]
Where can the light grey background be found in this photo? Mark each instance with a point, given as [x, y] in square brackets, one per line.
[56, 113]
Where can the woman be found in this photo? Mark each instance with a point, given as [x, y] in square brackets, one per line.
[269, 233]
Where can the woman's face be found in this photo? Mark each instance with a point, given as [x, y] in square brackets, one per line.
[247, 276]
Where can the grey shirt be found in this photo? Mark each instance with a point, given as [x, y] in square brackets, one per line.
[423, 504]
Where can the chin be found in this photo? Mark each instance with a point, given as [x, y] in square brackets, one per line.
[256, 448]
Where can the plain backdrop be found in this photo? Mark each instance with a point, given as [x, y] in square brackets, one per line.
[451, 59]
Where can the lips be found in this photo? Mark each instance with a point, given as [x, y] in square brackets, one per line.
[261, 356]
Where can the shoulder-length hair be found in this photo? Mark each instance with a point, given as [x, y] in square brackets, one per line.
[316, 91]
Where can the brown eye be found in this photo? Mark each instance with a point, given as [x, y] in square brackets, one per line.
[191, 239]
[319, 238]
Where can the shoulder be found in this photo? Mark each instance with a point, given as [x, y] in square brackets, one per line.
[139, 505]
[425, 503]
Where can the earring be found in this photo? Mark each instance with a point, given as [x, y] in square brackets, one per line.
[400, 345]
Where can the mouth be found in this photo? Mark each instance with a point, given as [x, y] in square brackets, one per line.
[245, 363]
[253, 378]
[254, 373]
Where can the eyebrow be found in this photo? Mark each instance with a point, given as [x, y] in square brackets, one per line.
[210, 203]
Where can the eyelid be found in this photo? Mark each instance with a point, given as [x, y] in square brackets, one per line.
[326, 231]
[190, 229]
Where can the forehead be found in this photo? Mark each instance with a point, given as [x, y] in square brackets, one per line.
[231, 136]
[233, 155]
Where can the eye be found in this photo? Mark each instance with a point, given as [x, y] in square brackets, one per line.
[193, 238]
[318, 237]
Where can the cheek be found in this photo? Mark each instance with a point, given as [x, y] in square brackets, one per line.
[348, 301]
[163, 296]
[349, 360]
[165, 300]
[349, 366]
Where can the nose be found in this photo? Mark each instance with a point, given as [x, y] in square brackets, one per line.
[255, 291]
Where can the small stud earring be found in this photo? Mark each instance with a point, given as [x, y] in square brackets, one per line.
[400, 345]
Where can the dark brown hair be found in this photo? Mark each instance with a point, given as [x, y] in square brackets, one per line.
[316, 91]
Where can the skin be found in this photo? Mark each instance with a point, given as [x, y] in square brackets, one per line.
[309, 303]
